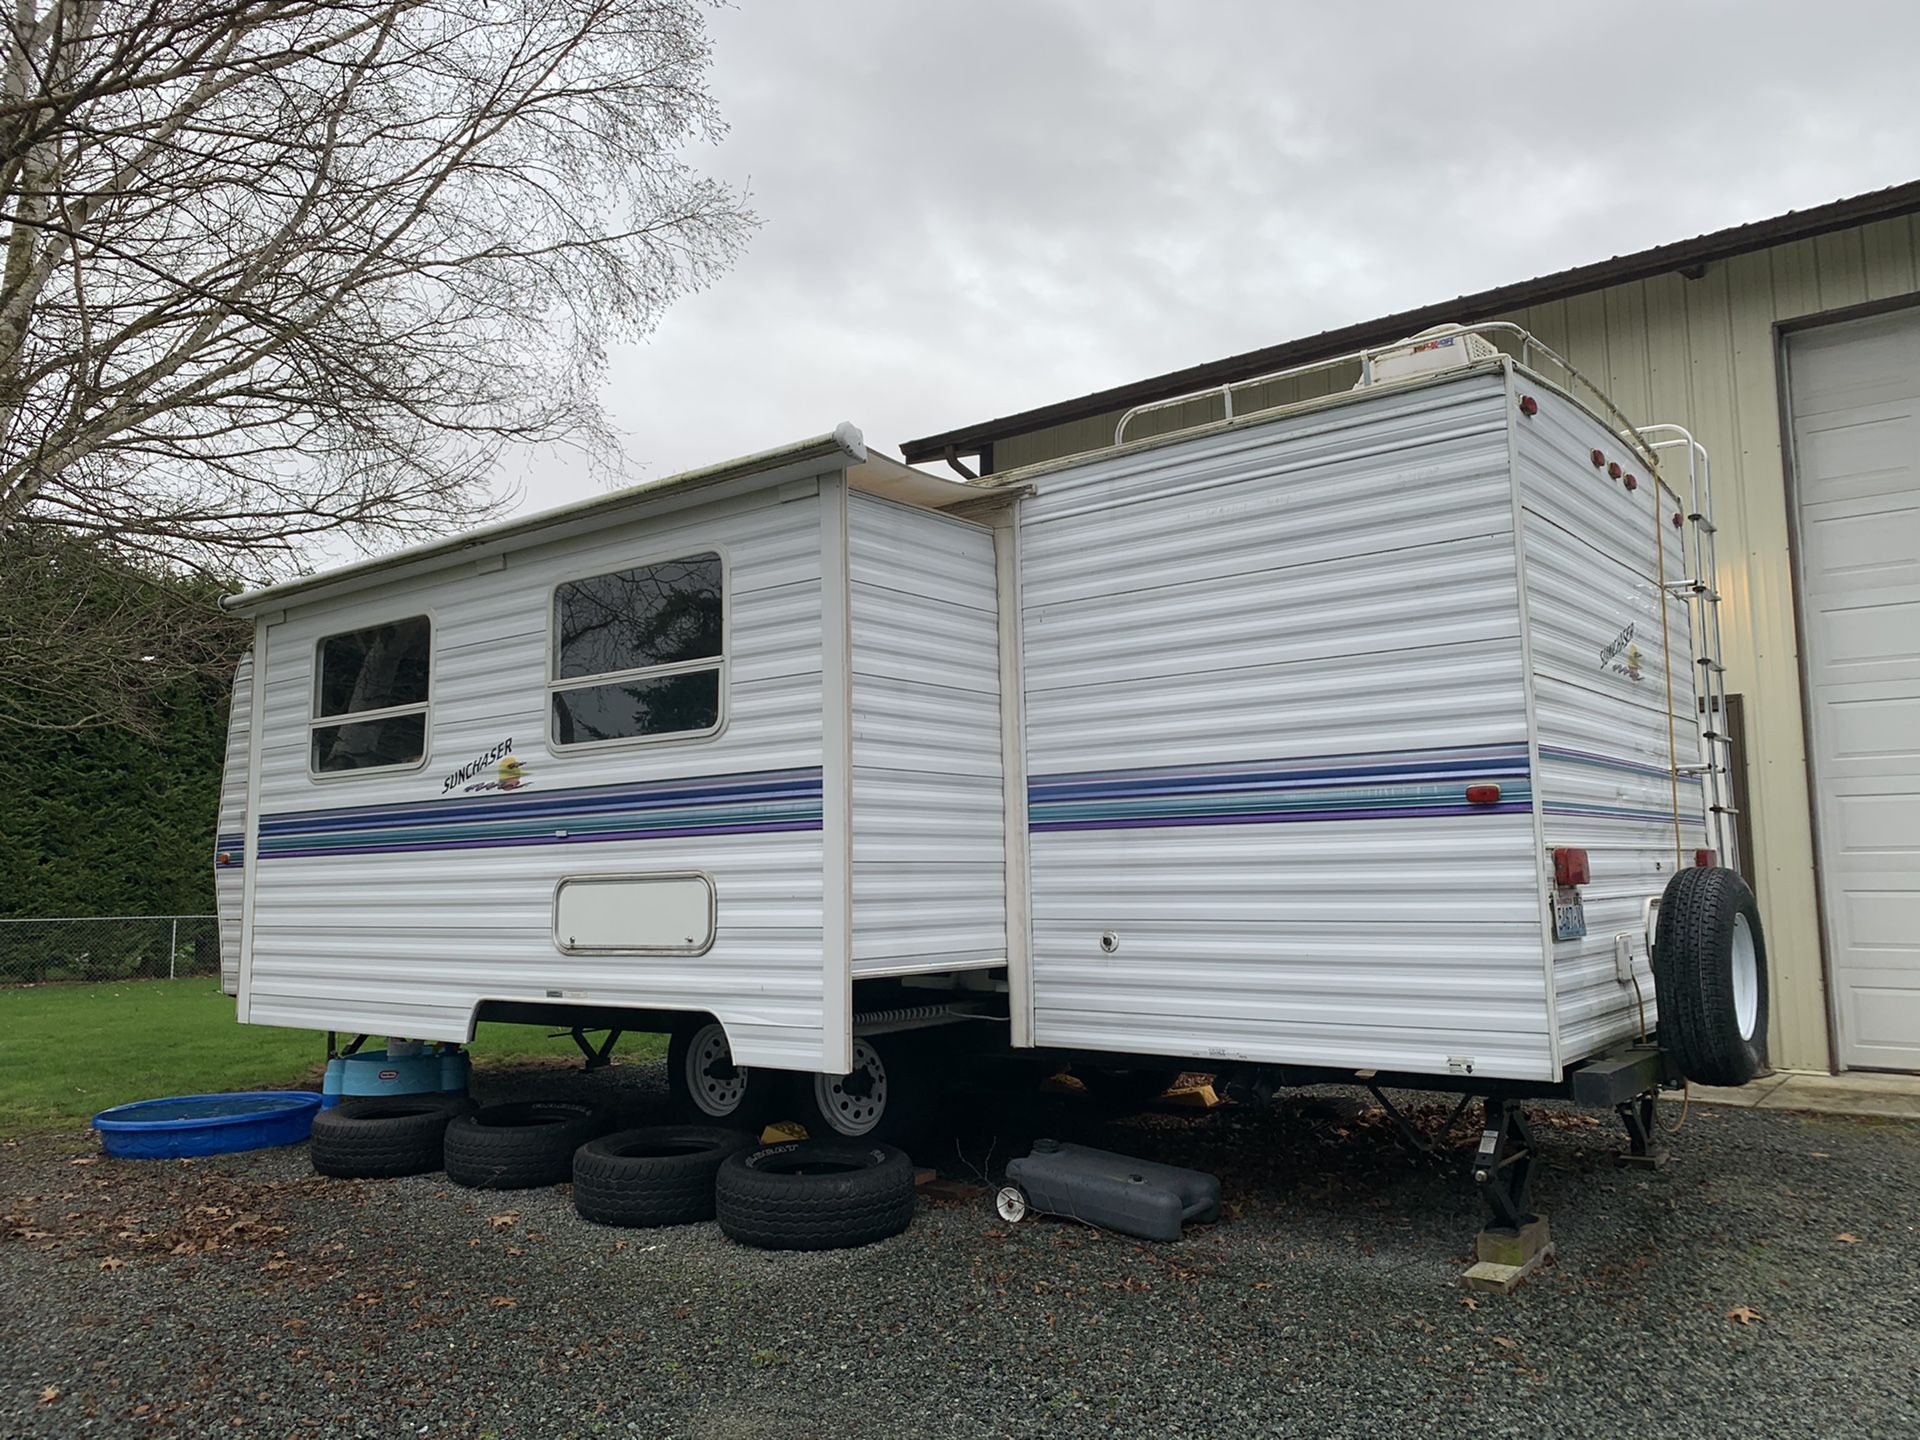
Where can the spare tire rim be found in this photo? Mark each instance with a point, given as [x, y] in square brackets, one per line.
[853, 1103]
[1746, 979]
[716, 1084]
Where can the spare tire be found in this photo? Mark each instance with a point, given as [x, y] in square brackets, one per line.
[659, 1175]
[1710, 977]
[519, 1146]
[814, 1195]
[376, 1137]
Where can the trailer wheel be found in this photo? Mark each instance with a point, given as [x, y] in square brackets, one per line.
[518, 1147]
[708, 1088]
[1710, 977]
[377, 1137]
[1129, 1089]
[883, 1098]
[659, 1175]
[814, 1195]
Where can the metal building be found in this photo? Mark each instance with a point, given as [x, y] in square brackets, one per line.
[1791, 348]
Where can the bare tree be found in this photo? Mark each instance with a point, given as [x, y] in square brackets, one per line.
[283, 269]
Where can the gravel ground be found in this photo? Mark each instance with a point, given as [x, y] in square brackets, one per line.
[242, 1293]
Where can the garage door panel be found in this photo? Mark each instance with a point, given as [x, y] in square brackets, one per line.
[1874, 542]
[1855, 392]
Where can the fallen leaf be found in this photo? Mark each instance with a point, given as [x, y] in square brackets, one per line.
[112, 1262]
[85, 1160]
[1470, 1302]
[1745, 1314]
[1846, 1238]
[1505, 1344]
[49, 1394]
[502, 1302]
[500, 1222]
[1820, 1154]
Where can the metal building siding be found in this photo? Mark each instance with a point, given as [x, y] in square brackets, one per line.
[433, 931]
[1241, 723]
[230, 831]
[929, 862]
[1700, 352]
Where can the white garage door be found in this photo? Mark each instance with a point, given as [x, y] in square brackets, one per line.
[1855, 391]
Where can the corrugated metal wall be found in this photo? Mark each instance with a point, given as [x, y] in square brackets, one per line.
[1699, 352]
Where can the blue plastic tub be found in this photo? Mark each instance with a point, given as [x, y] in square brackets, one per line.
[206, 1124]
[376, 1072]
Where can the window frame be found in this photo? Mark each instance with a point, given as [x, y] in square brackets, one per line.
[721, 664]
[317, 721]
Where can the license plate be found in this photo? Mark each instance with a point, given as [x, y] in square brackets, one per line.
[1569, 917]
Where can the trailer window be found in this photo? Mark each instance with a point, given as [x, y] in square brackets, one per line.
[370, 698]
[638, 654]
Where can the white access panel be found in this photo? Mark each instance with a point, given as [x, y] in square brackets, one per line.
[1855, 399]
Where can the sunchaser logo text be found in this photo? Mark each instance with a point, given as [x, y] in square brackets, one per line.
[509, 776]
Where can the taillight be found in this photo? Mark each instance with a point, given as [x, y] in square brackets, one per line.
[1613, 469]
[1570, 867]
[1705, 859]
[1483, 794]
[1599, 459]
[1529, 406]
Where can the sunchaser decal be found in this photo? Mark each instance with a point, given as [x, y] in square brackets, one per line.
[1622, 656]
[510, 775]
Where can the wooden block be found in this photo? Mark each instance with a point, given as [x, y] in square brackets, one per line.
[782, 1131]
[1063, 1085]
[1198, 1097]
[924, 1176]
[953, 1192]
[1499, 1246]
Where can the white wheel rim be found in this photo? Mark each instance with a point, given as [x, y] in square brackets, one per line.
[853, 1103]
[1746, 979]
[715, 1083]
[1012, 1204]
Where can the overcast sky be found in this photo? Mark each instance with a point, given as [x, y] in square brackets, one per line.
[970, 209]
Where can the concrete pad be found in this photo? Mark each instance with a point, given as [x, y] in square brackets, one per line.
[1852, 1093]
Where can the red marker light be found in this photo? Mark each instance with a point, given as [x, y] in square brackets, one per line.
[1599, 458]
[1706, 859]
[1631, 483]
[1614, 469]
[1678, 519]
[1483, 794]
[225, 857]
[1570, 867]
[1529, 406]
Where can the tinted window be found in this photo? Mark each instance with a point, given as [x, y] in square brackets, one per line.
[658, 628]
[657, 706]
[375, 669]
[632, 619]
[364, 744]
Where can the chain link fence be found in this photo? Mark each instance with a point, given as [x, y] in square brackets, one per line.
[108, 947]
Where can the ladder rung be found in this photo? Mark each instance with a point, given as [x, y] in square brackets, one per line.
[1704, 523]
[1713, 665]
[1695, 587]
[1724, 809]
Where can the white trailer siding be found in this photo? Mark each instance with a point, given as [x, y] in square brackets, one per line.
[929, 865]
[230, 832]
[391, 904]
[1601, 669]
[1261, 665]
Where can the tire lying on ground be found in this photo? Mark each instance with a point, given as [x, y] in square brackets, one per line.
[380, 1136]
[1710, 977]
[814, 1195]
[659, 1175]
[519, 1146]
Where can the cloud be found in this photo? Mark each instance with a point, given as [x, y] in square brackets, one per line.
[970, 210]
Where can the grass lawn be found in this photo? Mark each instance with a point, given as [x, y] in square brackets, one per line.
[69, 1051]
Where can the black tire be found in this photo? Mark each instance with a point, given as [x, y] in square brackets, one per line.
[659, 1175]
[814, 1195]
[708, 1089]
[1127, 1089]
[377, 1137]
[1710, 977]
[884, 1100]
[520, 1146]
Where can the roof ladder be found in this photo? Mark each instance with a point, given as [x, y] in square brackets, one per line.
[1700, 591]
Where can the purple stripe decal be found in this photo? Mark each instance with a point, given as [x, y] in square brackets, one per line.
[1282, 817]
[765, 827]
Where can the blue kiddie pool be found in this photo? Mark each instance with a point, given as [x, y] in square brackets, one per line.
[206, 1124]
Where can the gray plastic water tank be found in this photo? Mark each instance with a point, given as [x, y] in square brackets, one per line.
[1115, 1192]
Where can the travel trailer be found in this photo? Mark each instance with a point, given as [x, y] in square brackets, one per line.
[1358, 739]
